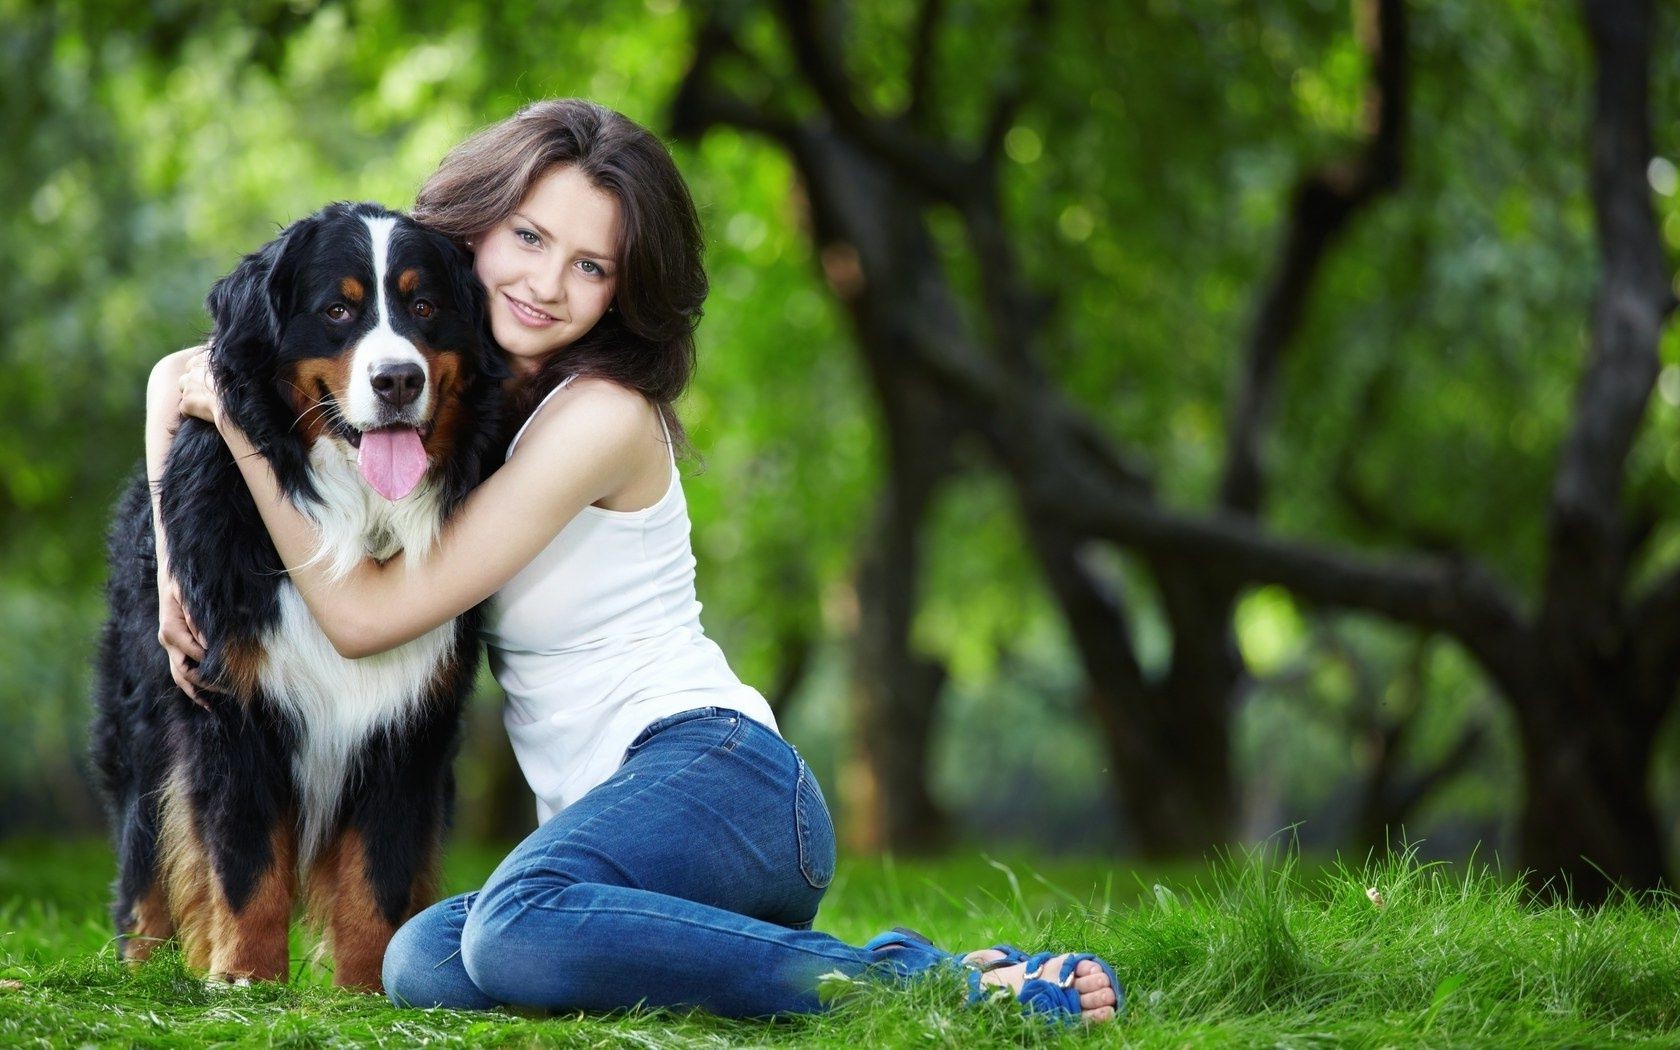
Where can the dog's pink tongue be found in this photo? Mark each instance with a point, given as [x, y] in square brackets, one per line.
[392, 460]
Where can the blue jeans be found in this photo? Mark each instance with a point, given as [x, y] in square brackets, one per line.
[690, 878]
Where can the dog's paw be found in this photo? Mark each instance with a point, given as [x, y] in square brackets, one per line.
[218, 982]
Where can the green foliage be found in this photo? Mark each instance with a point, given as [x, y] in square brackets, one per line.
[1150, 166]
[1252, 950]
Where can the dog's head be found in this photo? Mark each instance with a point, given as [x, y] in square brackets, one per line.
[361, 329]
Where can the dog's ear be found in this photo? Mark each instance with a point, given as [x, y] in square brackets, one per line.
[246, 311]
[468, 293]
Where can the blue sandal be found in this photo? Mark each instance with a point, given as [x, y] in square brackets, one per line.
[1054, 999]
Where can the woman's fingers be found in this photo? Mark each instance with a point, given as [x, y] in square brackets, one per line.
[180, 638]
[192, 629]
[198, 388]
[185, 678]
[176, 628]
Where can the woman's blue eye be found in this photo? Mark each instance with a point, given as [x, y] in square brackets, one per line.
[592, 268]
[527, 236]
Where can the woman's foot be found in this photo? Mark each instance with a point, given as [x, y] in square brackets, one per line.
[1097, 995]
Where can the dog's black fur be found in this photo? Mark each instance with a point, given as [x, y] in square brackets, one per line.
[207, 804]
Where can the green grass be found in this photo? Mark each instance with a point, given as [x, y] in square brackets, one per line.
[1251, 952]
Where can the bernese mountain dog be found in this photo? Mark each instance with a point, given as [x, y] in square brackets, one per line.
[354, 351]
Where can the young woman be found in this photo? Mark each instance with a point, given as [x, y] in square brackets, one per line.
[684, 845]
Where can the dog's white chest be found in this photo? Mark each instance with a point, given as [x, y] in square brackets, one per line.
[337, 704]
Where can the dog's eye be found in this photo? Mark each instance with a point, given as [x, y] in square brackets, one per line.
[338, 312]
[423, 308]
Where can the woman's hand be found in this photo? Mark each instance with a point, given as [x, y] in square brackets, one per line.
[180, 639]
[199, 396]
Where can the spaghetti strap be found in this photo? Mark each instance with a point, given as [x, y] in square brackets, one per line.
[669, 447]
[523, 426]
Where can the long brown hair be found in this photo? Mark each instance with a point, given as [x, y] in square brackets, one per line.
[647, 341]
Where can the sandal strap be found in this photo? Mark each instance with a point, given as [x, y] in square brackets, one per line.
[1011, 956]
[898, 935]
[1055, 998]
[978, 990]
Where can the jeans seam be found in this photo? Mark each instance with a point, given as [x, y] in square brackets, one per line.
[800, 823]
[726, 744]
[518, 889]
[686, 920]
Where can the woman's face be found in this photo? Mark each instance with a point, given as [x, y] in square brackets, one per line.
[550, 268]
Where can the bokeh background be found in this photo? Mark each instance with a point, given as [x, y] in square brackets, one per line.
[1123, 428]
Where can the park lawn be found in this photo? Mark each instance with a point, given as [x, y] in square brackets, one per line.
[1245, 952]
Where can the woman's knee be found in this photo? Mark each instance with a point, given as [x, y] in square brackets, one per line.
[404, 968]
[422, 964]
[519, 952]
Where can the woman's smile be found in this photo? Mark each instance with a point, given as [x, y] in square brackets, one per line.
[527, 314]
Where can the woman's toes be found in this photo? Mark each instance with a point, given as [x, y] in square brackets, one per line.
[1092, 1000]
[1096, 995]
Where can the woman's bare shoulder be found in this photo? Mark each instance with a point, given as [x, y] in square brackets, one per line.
[600, 413]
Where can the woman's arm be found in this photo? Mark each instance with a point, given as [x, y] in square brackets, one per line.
[584, 447]
[176, 632]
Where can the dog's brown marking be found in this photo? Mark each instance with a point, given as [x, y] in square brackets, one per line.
[343, 907]
[149, 924]
[351, 289]
[308, 384]
[229, 944]
[241, 668]
[251, 942]
[184, 870]
[407, 281]
[449, 416]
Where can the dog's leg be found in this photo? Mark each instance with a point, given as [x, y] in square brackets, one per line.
[344, 904]
[230, 859]
[184, 871]
[142, 905]
[249, 940]
[151, 927]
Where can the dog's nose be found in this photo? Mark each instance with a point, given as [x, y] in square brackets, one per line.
[398, 382]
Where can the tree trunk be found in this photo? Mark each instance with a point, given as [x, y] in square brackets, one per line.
[895, 690]
[1587, 814]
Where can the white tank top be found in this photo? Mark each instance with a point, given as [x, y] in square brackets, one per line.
[598, 637]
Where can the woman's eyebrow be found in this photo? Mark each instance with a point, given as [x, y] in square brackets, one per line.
[534, 224]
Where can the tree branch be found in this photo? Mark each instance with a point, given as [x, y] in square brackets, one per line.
[1587, 556]
[700, 104]
[923, 106]
[1365, 509]
[1321, 206]
[793, 659]
[1007, 99]
[922, 161]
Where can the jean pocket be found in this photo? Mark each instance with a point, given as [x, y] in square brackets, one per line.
[816, 830]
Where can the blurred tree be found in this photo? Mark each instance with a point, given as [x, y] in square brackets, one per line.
[1144, 184]
[1590, 673]
[872, 181]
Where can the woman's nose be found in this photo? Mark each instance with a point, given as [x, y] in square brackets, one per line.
[548, 284]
